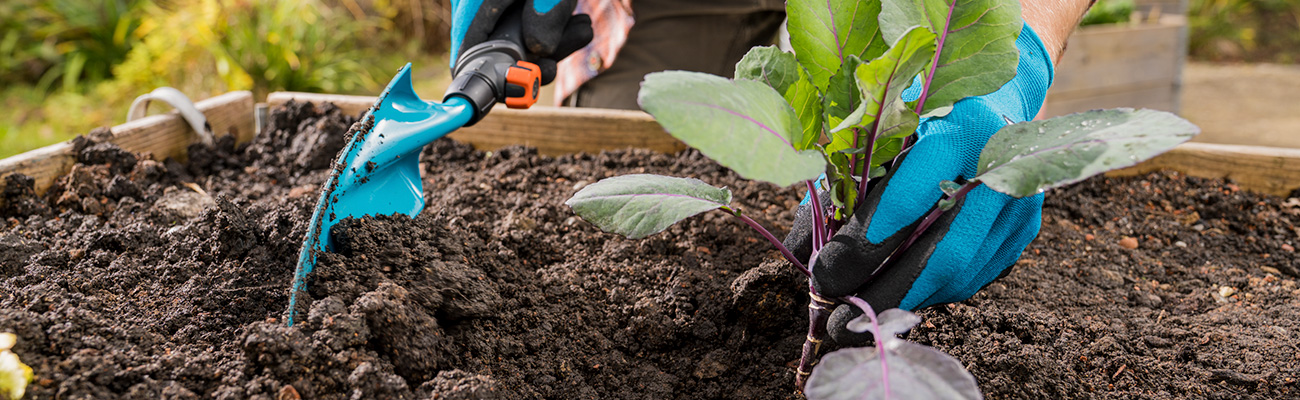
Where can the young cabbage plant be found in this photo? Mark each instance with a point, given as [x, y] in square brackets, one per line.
[834, 108]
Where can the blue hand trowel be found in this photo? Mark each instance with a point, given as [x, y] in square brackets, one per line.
[378, 172]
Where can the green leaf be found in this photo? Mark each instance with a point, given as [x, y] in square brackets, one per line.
[842, 184]
[1029, 157]
[807, 104]
[877, 171]
[947, 204]
[769, 65]
[886, 150]
[899, 122]
[976, 44]
[825, 32]
[949, 187]
[641, 205]
[882, 81]
[937, 112]
[743, 125]
[880, 84]
[842, 97]
[782, 72]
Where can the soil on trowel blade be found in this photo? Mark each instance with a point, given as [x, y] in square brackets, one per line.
[138, 278]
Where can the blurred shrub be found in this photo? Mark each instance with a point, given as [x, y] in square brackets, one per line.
[1108, 12]
[66, 42]
[258, 45]
[1245, 30]
[422, 24]
[202, 47]
[286, 45]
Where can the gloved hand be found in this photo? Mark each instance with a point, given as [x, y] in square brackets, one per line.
[550, 30]
[969, 246]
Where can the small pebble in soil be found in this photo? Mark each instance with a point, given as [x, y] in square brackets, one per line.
[1089, 237]
[1128, 243]
[1180, 243]
[1227, 291]
[1288, 248]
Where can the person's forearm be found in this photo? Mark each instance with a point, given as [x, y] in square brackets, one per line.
[1054, 20]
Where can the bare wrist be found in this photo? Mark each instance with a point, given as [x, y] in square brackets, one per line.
[1054, 21]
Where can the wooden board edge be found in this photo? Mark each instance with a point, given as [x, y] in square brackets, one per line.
[1271, 170]
[1164, 22]
[552, 130]
[163, 135]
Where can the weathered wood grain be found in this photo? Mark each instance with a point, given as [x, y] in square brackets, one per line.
[162, 136]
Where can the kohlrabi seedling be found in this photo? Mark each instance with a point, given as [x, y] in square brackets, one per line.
[834, 108]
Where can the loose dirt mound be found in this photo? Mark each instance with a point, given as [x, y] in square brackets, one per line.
[138, 279]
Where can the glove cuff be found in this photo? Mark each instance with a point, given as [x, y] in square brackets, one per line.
[1035, 71]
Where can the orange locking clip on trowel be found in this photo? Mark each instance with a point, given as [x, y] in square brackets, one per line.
[377, 172]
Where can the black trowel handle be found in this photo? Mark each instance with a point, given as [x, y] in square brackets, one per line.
[495, 71]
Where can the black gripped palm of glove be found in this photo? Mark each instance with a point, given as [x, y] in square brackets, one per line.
[549, 28]
[845, 264]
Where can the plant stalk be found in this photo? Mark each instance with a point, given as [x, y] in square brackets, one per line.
[789, 256]
[819, 217]
[875, 330]
[866, 168]
[819, 312]
[920, 229]
[853, 158]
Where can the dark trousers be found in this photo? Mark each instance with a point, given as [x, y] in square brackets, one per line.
[670, 37]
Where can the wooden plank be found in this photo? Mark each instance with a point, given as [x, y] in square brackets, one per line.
[1163, 7]
[564, 130]
[1270, 170]
[1120, 66]
[1265, 169]
[1158, 97]
[164, 135]
[1106, 56]
[44, 164]
[167, 135]
[552, 130]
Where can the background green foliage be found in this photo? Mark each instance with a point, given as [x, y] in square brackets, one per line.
[67, 66]
[1109, 12]
[63, 42]
[1245, 30]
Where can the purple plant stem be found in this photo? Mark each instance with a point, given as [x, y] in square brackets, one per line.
[920, 229]
[866, 167]
[875, 331]
[934, 63]
[819, 227]
[853, 158]
[818, 313]
[930, 78]
[789, 256]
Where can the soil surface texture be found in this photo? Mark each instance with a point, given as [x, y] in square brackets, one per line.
[134, 278]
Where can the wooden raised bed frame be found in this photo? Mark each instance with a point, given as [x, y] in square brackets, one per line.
[1122, 65]
[569, 130]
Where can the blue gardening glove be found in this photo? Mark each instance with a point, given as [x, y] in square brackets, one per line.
[970, 246]
[550, 30]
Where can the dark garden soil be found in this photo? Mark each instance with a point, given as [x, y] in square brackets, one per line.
[133, 278]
